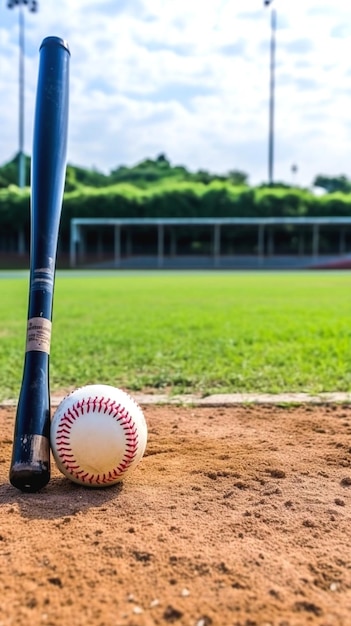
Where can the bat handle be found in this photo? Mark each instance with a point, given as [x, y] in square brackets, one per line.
[30, 465]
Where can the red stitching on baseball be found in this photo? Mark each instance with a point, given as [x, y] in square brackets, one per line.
[99, 405]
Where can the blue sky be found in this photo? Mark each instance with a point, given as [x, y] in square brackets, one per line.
[190, 79]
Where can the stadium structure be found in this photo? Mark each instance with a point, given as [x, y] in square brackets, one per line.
[205, 243]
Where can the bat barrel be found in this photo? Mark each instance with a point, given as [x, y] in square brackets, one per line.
[49, 153]
[30, 465]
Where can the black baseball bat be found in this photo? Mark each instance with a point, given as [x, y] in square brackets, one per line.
[30, 464]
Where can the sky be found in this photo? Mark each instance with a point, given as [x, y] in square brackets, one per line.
[190, 79]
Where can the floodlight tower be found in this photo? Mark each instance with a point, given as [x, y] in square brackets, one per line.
[267, 3]
[32, 7]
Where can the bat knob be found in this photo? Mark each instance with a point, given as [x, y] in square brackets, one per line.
[30, 467]
[29, 479]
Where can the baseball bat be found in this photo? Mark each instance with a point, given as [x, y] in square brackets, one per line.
[30, 464]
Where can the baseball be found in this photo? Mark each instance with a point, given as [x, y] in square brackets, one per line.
[98, 435]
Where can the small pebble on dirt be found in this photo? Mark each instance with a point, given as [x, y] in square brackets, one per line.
[346, 482]
[171, 614]
[137, 610]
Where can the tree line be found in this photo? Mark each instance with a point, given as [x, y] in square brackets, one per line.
[153, 171]
[154, 188]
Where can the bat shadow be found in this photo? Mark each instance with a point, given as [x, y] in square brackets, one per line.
[60, 498]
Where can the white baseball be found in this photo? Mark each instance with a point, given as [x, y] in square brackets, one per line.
[98, 435]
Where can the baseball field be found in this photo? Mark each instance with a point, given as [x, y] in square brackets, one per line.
[202, 332]
[238, 514]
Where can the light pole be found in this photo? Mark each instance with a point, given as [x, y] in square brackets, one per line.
[33, 7]
[267, 3]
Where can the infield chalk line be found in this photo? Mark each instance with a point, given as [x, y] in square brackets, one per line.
[229, 399]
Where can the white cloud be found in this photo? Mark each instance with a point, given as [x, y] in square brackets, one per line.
[191, 80]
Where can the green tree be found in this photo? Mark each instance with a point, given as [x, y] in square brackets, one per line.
[236, 177]
[333, 183]
[9, 172]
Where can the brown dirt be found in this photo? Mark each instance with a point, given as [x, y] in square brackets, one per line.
[236, 516]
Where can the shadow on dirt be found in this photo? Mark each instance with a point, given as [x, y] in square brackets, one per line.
[60, 498]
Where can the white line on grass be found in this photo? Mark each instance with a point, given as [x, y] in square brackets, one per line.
[230, 399]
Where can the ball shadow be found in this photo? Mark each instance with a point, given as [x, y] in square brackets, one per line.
[60, 498]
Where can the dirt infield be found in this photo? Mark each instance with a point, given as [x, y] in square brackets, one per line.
[236, 516]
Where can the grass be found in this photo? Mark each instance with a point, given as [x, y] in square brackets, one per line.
[205, 332]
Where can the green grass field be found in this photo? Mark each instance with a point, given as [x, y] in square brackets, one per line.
[204, 332]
